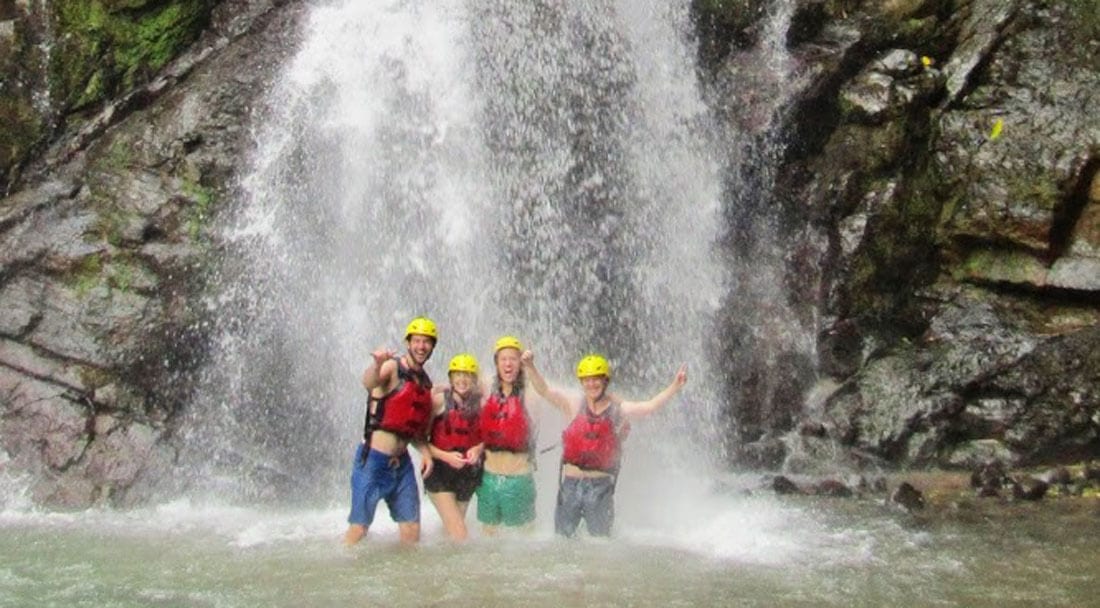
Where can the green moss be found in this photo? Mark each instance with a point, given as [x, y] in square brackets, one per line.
[155, 38]
[1001, 266]
[20, 129]
[203, 200]
[86, 275]
[108, 47]
[94, 377]
[121, 275]
[109, 225]
[119, 272]
[1038, 191]
[119, 156]
[897, 256]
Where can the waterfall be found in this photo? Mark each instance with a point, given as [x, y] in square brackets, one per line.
[770, 306]
[544, 169]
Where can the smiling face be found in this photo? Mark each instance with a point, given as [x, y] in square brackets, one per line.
[508, 365]
[420, 348]
[462, 383]
[594, 386]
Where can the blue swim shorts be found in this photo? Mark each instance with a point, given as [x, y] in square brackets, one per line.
[378, 477]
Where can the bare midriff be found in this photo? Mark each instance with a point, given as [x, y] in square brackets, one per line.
[501, 462]
[387, 443]
[572, 470]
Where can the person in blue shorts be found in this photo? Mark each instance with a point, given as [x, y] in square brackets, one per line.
[399, 410]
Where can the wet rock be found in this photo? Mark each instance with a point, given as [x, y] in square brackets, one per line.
[988, 491]
[766, 453]
[831, 487]
[907, 497]
[812, 428]
[44, 426]
[977, 453]
[1091, 472]
[1059, 476]
[989, 474]
[888, 87]
[1029, 488]
[783, 485]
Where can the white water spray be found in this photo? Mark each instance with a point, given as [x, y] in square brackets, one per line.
[537, 169]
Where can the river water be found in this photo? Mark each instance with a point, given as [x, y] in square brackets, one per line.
[721, 550]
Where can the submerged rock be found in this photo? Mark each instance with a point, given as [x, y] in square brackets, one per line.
[1029, 488]
[907, 497]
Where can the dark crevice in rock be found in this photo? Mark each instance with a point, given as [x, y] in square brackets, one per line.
[1046, 295]
[1069, 210]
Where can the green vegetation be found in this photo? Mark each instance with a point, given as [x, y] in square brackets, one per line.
[20, 130]
[108, 47]
[119, 156]
[118, 272]
[203, 200]
[86, 274]
[898, 255]
[94, 377]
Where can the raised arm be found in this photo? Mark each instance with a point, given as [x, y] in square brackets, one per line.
[381, 369]
[553, 397]
[638, 409]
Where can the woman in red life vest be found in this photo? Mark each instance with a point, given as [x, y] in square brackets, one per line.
[455, 445]
[592, 442]
[506, 495]
[399, 411]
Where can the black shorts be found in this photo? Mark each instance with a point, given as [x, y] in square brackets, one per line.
[445, 478]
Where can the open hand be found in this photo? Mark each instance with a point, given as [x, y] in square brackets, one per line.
[681, 376]
[382, 355]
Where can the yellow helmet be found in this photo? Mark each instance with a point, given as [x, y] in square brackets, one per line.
[421, 326]
[507, 342]
[593, 365]
[463, 363]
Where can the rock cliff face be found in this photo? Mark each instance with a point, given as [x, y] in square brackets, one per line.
[937, 189]
[943, 160]
[103, 248]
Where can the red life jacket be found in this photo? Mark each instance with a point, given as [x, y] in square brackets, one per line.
[594, 442]
[505, 424]
[456, 429]
[406, 411]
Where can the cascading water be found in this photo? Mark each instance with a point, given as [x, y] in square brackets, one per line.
[770, 306]
[538, 169]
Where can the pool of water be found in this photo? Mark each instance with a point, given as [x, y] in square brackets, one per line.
[708, 549]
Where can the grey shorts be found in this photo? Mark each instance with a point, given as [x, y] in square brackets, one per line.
[591, 499]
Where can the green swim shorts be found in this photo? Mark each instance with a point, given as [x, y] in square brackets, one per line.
[506, 499]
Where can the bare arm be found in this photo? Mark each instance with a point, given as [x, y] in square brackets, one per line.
[438, 402]
[554, 397]
[638, 409]
[380, 371]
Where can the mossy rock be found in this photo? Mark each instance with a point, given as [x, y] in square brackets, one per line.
[107, 47]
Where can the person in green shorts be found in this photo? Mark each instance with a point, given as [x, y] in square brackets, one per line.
[506, 496]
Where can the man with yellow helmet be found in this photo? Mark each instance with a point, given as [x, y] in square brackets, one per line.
[592, 441]
[399, 410]
[456, 445]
